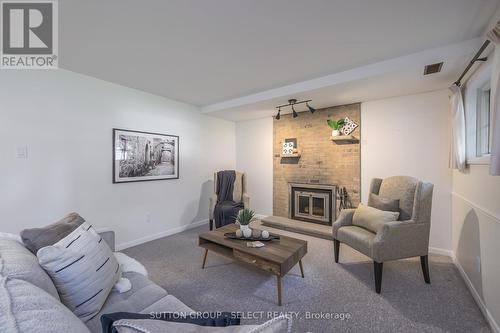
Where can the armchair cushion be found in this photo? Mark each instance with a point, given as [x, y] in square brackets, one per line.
[358, 238]
[371, 218]
[389, 205]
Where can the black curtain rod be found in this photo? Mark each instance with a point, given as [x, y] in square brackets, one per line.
[476, 58]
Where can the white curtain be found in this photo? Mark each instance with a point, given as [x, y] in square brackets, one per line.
[494, 37]
[457, 154]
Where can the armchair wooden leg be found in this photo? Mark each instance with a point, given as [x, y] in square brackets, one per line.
[377, 268]
[336, 249]
[211, 224]
[424, 261]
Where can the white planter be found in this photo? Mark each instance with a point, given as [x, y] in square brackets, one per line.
[335, 133]
[245, 227]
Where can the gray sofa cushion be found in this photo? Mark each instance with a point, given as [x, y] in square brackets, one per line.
[83, 268]
[389, 205]
[279, 324]
[371, 218]
[36, 238]
[143, 295]
[25, 308]
[168, 303]
[19, 263]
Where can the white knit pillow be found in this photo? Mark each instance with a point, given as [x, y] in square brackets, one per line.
[83, 269]
[371, 218]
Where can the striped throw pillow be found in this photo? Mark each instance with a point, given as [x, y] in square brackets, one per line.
[83, 269]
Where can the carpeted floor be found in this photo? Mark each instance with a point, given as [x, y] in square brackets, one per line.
[344, 291]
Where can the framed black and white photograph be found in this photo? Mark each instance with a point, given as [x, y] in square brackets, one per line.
[143, 156]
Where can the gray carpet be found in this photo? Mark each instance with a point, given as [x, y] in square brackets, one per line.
[406, 303]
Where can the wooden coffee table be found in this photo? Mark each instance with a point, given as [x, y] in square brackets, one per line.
[277, 257]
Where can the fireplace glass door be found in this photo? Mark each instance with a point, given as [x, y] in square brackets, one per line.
[312, 205]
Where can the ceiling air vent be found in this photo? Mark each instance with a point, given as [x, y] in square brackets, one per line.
[433, 68]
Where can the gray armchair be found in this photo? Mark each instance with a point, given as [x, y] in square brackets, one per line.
[407, 237]
[239, 194]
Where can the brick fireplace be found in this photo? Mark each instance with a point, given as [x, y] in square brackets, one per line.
[322, 165]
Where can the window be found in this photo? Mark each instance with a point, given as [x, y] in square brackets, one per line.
[478, 118]
[483, 121]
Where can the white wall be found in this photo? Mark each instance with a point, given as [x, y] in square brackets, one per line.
[476, 232]
[409, 135]
[476, 222]
[254, 155]
[66, 119]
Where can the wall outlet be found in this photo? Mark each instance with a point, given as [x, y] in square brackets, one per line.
[478, 264]
[148, 217]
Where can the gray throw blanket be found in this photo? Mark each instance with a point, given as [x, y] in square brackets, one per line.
[226, 209]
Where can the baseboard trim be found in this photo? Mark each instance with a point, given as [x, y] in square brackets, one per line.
[442, 252]
[169, 232]
[489, 318]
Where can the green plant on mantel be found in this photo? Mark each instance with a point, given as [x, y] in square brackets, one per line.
[245, 216]
[335, 125]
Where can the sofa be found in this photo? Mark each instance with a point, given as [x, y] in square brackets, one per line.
[18, 266]
[29, 301]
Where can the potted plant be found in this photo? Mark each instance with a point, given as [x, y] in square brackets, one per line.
[335, 126]
[244, 217]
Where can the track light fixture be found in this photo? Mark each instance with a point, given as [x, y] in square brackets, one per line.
[292, 102]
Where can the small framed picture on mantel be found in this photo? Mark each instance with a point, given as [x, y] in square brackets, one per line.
[289, 148]
[144, 156]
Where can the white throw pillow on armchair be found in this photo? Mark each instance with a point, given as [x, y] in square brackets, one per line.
[372, 219]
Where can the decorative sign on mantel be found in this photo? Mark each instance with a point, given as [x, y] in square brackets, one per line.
[289, 148]
[349, 126]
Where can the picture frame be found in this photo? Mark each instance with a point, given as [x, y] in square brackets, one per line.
[144, 156]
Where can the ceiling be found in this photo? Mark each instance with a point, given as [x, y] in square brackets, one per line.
[209, 52]
[394, 77]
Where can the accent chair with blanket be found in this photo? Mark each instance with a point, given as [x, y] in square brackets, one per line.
[395, 225]
[229, 197]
